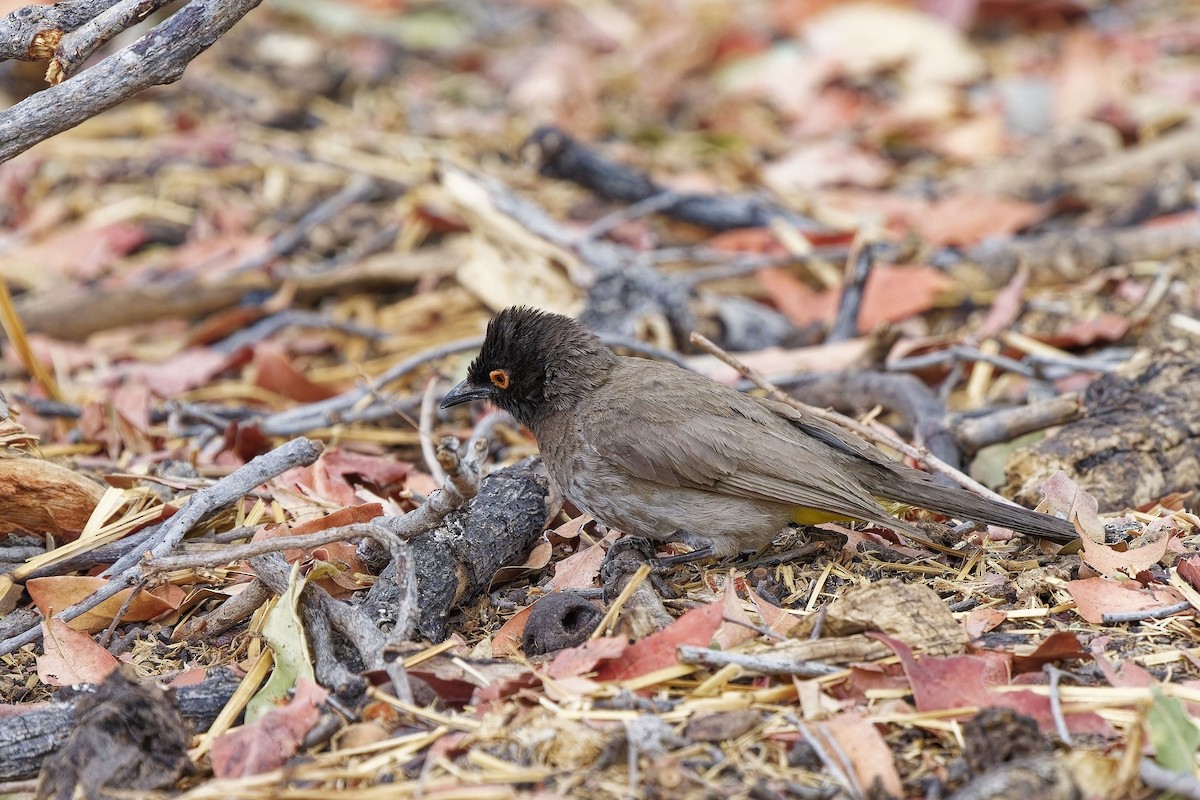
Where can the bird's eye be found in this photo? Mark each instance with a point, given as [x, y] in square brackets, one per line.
[499, 378]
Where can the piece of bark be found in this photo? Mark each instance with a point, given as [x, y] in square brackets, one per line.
[1139, 442]
[456, 562]
[38, 496]
[27, 739]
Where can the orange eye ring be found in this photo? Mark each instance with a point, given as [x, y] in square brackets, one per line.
[499, 378]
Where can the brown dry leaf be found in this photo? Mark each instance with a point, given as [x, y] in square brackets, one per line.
[55, 593]
[1150, 547]
[580, 570]
[39, 496]
[506, 642]
[1058, 646]
[1095, 597]
[774, 617]
[268, 742]
[862, 743]
[538, 557]
[736, 626]
[70, 656]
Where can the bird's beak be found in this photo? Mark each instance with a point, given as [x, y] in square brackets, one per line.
[465, 392]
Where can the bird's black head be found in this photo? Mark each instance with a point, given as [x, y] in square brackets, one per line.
[534, 363]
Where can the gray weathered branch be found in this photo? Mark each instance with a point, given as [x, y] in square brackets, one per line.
[155, 59]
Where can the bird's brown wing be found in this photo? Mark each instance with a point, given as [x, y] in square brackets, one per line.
[678, 429]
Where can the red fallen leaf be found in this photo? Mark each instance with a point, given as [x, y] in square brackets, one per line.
[979, 621]
[182, 372]
[1059, 646]
[275, 373]
[189, 677]
[1127, 675]
[893, 293]
[1189, 569]
[736, 626]
[748, 240]
[1107, 327]
[332, 476]
[71, 253]
[576, 661]
[657, 651]
[966, 681]
[967, 218]
[269, 741]
[70, 656]
[456, 685]
[343, 584]
[1095, 597]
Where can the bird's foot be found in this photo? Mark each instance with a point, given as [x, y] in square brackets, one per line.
[624, 558]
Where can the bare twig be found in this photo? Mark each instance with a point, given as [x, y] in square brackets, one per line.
[766, 662]
[23, 32]
[74, 47]
[845, 325]
[1177, 783]
[1152, 613]
[157, 58]
[1007, 424]
[425, 428]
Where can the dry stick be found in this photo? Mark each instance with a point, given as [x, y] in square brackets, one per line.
[878, 435]
[766, 663]
[73, 48]
[976, 432]
[1138, 616]
[127, 570]
[845, 325]
[156, 59]
[1177, 783]
[287, 240]
[22, 32]
[425, 429]
[1060, 722]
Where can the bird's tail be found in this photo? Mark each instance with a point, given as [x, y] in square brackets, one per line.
[963, 504]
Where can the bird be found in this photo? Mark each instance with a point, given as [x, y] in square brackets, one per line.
[663, 453]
